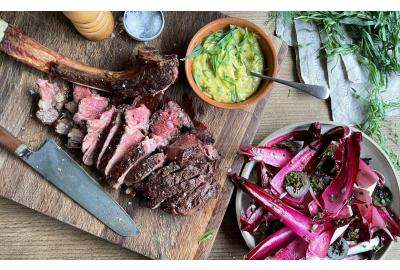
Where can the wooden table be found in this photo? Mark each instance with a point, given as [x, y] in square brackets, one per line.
[26, 234]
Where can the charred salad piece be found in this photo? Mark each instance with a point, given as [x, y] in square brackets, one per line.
[381, 196]
[297, 184]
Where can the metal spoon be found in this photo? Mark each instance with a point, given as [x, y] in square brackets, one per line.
[317, 91]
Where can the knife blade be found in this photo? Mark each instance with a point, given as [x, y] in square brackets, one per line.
[51, 162]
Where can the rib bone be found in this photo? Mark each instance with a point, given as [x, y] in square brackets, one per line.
[152, 73]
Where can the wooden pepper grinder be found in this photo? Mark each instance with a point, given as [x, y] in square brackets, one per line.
[93, 25]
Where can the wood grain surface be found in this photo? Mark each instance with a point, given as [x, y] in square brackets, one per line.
[163, 236]
[27, 234]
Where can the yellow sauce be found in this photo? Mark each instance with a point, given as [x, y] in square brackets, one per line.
[221, 69]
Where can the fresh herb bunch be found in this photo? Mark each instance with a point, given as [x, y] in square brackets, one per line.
[376, 42]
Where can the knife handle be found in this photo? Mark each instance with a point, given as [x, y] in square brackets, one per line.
[8, 141]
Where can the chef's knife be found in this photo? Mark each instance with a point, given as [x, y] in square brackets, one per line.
[61, 170]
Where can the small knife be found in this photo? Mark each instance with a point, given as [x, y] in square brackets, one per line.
[51, 162]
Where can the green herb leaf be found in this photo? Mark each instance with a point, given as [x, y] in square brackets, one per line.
[208, 235]
[196, 52]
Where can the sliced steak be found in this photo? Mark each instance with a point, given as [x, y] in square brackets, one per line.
[189, 149]
[52, 100]
[164, 125]
[110, 139]
[158, 189]
[80, 92]
[96, 130]
[90, 108]
[145, 168]
[187, 203]
[137, 122]
[180, 188]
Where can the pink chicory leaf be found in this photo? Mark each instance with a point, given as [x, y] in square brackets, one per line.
[337, 194]
[366, 177]
[296, 250]
[271, 244]
[365, 246]
[313, 208]
[392, 223]
[251, 220]
[319, 246]
[273, 156]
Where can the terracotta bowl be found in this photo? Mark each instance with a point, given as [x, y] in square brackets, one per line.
[267, 48]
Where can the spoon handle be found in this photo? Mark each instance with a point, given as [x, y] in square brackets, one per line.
[314, 90]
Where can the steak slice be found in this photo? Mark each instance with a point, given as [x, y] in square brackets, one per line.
[187, 203]
[109, 141]
[52, 100]
[96, 131]
[90, 108]
[137, 122]
[80, 92]
[189, 149]
[145, 168]
[165, 124]
[158, 189]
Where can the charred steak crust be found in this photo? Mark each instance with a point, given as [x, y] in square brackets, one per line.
[161, 188]
[189, 202]
[145, 168]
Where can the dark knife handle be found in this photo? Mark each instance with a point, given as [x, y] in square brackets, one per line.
[8, 141]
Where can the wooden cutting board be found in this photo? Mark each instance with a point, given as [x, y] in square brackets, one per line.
[163, 236]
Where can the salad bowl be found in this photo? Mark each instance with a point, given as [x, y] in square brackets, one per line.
[379, 161]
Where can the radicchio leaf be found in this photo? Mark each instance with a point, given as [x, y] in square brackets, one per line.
[337, 194]
[251, 220]
[296, 250]
[366, 177]
[273, 156]
[271, 244]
